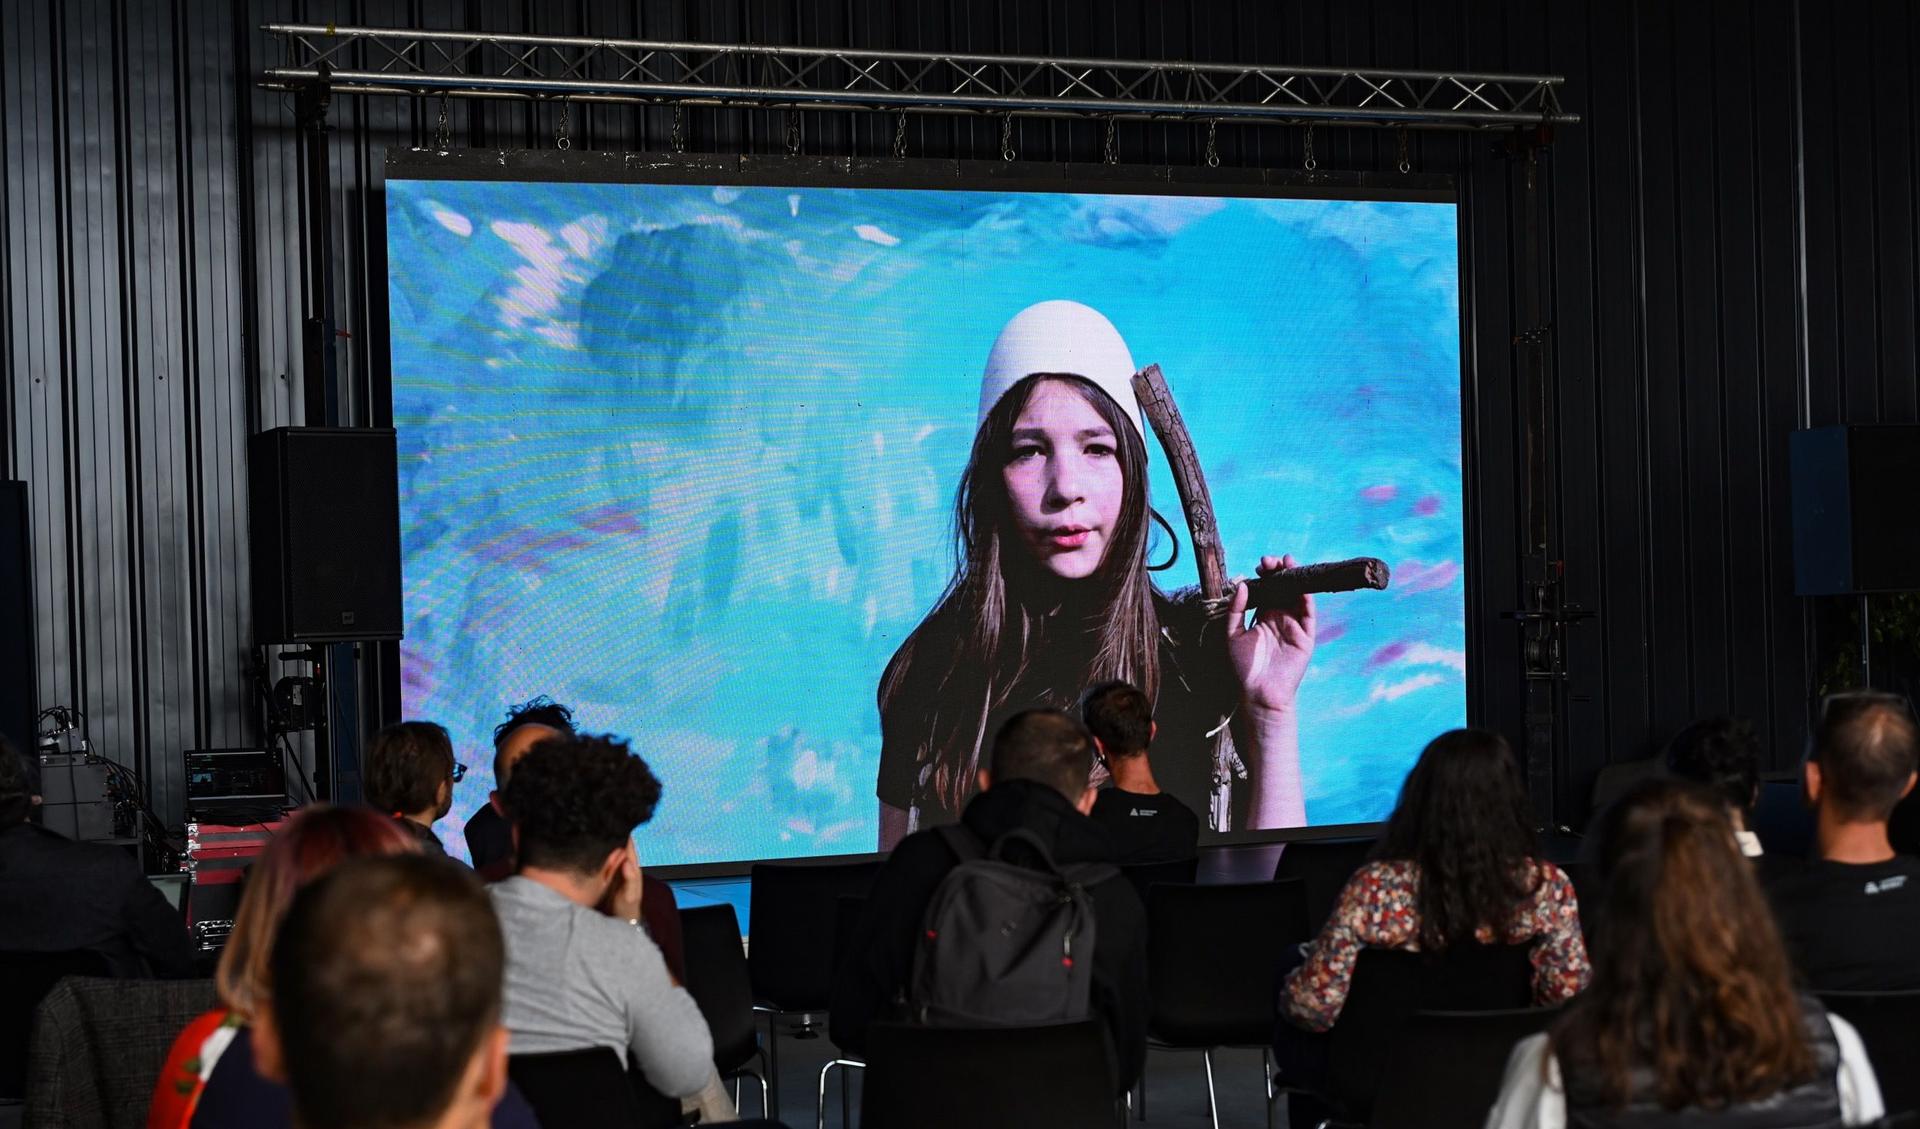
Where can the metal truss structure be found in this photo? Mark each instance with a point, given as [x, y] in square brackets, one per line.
[403, 61]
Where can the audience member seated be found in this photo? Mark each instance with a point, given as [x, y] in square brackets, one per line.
[489, 833]
[410, 773]
[1692, 1016]
[211, 1078]
[1147, 825]
[581, 970]
[59, 896]
[1851, 916]
[1036, 781]
[386, 1000]
[1458, 864]
[1723, 754]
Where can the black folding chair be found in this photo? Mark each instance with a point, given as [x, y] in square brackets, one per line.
[1389, 986]
[590, 1089]
[1889, 1024]
[1059, 1076]
[1146, 875]
[1324, 865]
[790, 958]
[846, 916]
[718, 981]
[1212, 954]
[1448, 1065]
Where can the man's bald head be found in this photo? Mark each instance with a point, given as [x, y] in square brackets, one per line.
[1867, 749]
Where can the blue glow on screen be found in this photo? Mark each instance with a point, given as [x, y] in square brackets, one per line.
[684, 458]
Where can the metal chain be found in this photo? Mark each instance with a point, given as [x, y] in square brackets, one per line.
[1310, 164]
[1006, 138]
[793, 133]
[900, 136]
[677, 133]
[1113, 144]
[442, 133]
[1406, 166]
[1213, 150]
[561, 138]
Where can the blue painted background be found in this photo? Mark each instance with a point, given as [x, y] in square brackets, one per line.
[684, 458]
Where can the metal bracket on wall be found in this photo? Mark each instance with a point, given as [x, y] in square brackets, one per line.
[407, 61]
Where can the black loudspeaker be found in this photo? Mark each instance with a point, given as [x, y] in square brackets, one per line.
[325, 511]
[1854, 529]
[19, 704]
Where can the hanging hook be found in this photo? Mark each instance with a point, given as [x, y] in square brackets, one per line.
[1406, 166]
[677, 135]
[1213, 150]
[1310, 164]
[900, 136]
[793, 133]
[561, 138]
[1113, 143]
[442, 135]
[1006, 138]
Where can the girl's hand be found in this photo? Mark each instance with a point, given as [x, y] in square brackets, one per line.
[1270, 657]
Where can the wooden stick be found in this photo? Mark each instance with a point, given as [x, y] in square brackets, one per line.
[1289, 584]
[1156, 401]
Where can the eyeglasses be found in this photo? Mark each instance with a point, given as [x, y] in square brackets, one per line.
[459, 772]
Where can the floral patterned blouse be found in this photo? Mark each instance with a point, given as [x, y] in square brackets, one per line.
[1377, 910]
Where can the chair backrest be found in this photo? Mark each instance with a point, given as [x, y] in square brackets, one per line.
[717, 979]
[792, 907]
[1324, 865]
[98, 1047]
[25, 980]
[1389, 985]
[1145, 875]
[1448, 1065]
[1059, 1076]
[589, 1089]
[1889, 1024]
[1212, 953]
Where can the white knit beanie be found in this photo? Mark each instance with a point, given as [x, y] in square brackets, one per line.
[1063, 337]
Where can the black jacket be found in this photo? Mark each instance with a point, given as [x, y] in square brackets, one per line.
[57, 895]
[878, 961]
[489, 838]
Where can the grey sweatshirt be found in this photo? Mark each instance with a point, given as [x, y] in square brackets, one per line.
[577, 978]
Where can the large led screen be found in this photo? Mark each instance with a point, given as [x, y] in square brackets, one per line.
[803, 490]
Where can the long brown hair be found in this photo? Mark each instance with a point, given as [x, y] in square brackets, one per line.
[994, 603]
[318, 838]
[1691, 982]
[1463, 817]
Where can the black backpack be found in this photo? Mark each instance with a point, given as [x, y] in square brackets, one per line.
[1004, 944]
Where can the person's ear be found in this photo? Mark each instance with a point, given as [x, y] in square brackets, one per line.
[268, 1058]
[984, 779]
[1810, 782]
[610, 866]
[490, 1081]
[1085, 804]
[1153, 731]
[1911, 777]
[513, 836]
[493, 800]
[443, 796]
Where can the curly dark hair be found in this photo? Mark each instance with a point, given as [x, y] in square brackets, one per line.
[1722, 753]
[539, 710]
[1463, 817]
[578, 799]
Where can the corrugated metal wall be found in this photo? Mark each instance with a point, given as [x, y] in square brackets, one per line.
[1733, 253]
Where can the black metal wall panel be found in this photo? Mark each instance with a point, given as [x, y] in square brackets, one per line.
[1731, 253]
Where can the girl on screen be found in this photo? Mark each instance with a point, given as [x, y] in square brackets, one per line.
[1051, 594]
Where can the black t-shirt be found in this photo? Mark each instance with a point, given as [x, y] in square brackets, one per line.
[1852, 926]
[1196, 692]
[1147, 828]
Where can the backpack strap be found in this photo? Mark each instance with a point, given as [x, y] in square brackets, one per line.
[1033, 842]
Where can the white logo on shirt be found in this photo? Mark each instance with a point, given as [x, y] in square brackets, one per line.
[1144, 812]
[1885, 884]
